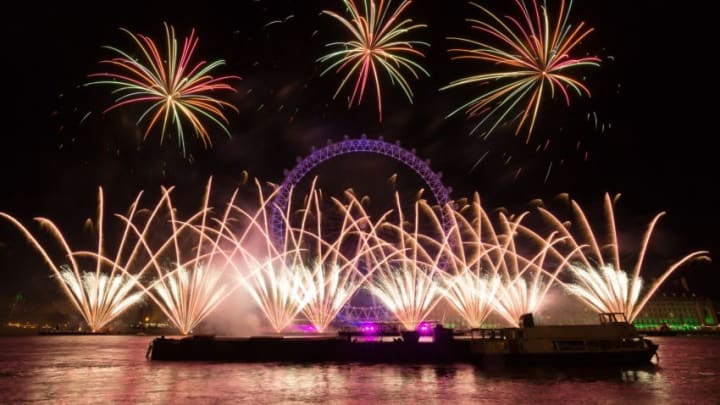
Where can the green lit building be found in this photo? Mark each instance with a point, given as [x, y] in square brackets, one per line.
[680, 312]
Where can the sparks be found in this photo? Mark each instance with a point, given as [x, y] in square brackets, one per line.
[176, 91]
[529, 55]
[376, 45]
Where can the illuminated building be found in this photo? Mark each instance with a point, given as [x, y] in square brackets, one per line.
[680, 312]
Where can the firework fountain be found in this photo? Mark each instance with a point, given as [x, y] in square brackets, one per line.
[496, 266]
[188, 266]
[407, 276]
[100, 295]
[600, 281]
[332, 278]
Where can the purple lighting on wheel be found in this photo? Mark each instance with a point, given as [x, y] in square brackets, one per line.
[350, 146]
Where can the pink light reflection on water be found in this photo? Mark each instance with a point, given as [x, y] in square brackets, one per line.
[98, 369]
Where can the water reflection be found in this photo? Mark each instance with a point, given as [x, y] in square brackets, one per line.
[113, 368]
[648, 376]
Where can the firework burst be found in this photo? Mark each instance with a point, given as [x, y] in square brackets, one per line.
[268, 271]
[188, 264]
[278, 290]
[606, 290]
[472, 295]
[101, 295]
[271, 272]
[530, 55]
[512, 253]
[407, 265]
[471, 281]
[326, 291]
[409, 293]
[175, 91]
[600, 281]
[189, 296]
[333, 279]
[105, 296]
[376, 46]
[304, 272]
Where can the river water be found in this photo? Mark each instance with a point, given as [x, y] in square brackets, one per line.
[113, 369]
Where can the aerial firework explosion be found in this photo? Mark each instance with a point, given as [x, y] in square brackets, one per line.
[377, 47]
[529, 56]
[176, 91]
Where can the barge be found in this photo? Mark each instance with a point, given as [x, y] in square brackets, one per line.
[613, 341]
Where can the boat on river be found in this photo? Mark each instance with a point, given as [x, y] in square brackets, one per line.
[612, 341]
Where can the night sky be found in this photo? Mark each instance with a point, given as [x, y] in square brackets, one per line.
[652, 142]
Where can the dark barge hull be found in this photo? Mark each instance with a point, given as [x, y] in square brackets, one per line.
[309, 350]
